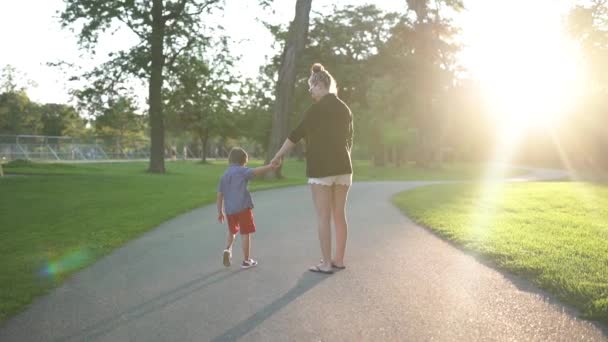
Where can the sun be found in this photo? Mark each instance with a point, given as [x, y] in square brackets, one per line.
[529, 70]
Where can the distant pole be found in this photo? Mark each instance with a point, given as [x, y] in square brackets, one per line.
[1, 172]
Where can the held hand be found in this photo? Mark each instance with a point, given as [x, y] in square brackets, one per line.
[220, 217]
[276, 162]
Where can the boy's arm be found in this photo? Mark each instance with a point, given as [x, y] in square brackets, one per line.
[220, 207]
[263, 169]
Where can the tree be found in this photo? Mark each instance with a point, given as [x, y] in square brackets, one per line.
[60, 119]
[199, 98]
[18, 115]
[12, 80]
[470, 131]
[389, 120]
[121, 123]
[588, 23]
[432, 57]
[255, 107]
[350, 42]
[165, 30]
[347, 41]
[287, 76]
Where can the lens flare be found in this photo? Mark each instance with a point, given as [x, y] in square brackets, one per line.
[65, 263]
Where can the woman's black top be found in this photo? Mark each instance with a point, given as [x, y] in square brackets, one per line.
[327, 127]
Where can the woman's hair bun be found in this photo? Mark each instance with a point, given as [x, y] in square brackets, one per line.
[317, 67]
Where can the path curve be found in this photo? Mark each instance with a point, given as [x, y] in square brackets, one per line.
[403, 283]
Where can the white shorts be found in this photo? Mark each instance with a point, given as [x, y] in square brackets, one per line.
[346, 179]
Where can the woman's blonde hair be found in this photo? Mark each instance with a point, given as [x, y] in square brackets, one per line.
[318, 74]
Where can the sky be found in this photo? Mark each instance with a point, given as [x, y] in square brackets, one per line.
[32, 38]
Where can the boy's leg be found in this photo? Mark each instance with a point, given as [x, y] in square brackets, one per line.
[248, 262]
[227, 255]
[247, 225]
[246, 242]
[233, 228]
[231, 238]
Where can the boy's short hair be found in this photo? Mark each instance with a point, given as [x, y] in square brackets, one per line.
[237, 156]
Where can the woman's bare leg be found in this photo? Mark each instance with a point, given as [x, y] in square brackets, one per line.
[340, 194]
[321, 196]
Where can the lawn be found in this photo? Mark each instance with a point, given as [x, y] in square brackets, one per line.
[58, 218]
[61, 217]
[363, 171]
[555, 234]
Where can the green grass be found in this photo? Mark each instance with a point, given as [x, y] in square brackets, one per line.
[89, 210]
[555, 234]
[84, 211]
[363, 171]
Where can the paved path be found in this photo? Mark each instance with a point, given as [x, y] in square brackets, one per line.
[403, 283]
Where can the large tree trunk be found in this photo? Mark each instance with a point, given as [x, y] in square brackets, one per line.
[157, 132]
[298, 33]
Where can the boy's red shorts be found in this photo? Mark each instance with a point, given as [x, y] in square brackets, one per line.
[242, 221]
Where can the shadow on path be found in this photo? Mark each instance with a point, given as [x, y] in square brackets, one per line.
[307, 281]
[106, 325]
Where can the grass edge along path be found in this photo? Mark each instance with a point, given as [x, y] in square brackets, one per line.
[59, 218]
[56, 219]
[552, 233]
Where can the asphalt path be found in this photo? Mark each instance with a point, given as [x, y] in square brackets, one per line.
[402, 283]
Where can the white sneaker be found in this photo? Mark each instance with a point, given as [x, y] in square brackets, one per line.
[227, 257]
[249, 263]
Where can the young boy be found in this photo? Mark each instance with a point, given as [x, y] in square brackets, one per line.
[234, 199]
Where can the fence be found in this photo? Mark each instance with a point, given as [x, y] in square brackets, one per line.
[54, 148]
[50, 148]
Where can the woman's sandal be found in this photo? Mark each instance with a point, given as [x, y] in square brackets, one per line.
[335, 266]
[318, 269]
[338, 267]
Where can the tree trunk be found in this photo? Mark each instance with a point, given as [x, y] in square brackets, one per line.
[398, 155]
[298, 32]
[377, 148]
[204, 141]
[426, 130]
[388, 155]
[118, 147]
[157, 132]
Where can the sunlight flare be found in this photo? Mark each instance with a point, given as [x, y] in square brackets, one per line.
[530, 71]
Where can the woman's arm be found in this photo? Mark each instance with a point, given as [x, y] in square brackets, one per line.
[296, 135]
[287, 145]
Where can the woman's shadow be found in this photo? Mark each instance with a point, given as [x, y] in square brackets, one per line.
[307, 281]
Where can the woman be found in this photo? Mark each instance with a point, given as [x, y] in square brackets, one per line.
[328, 128]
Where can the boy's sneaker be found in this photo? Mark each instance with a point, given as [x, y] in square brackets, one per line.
[227, 257]
[249, 263]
